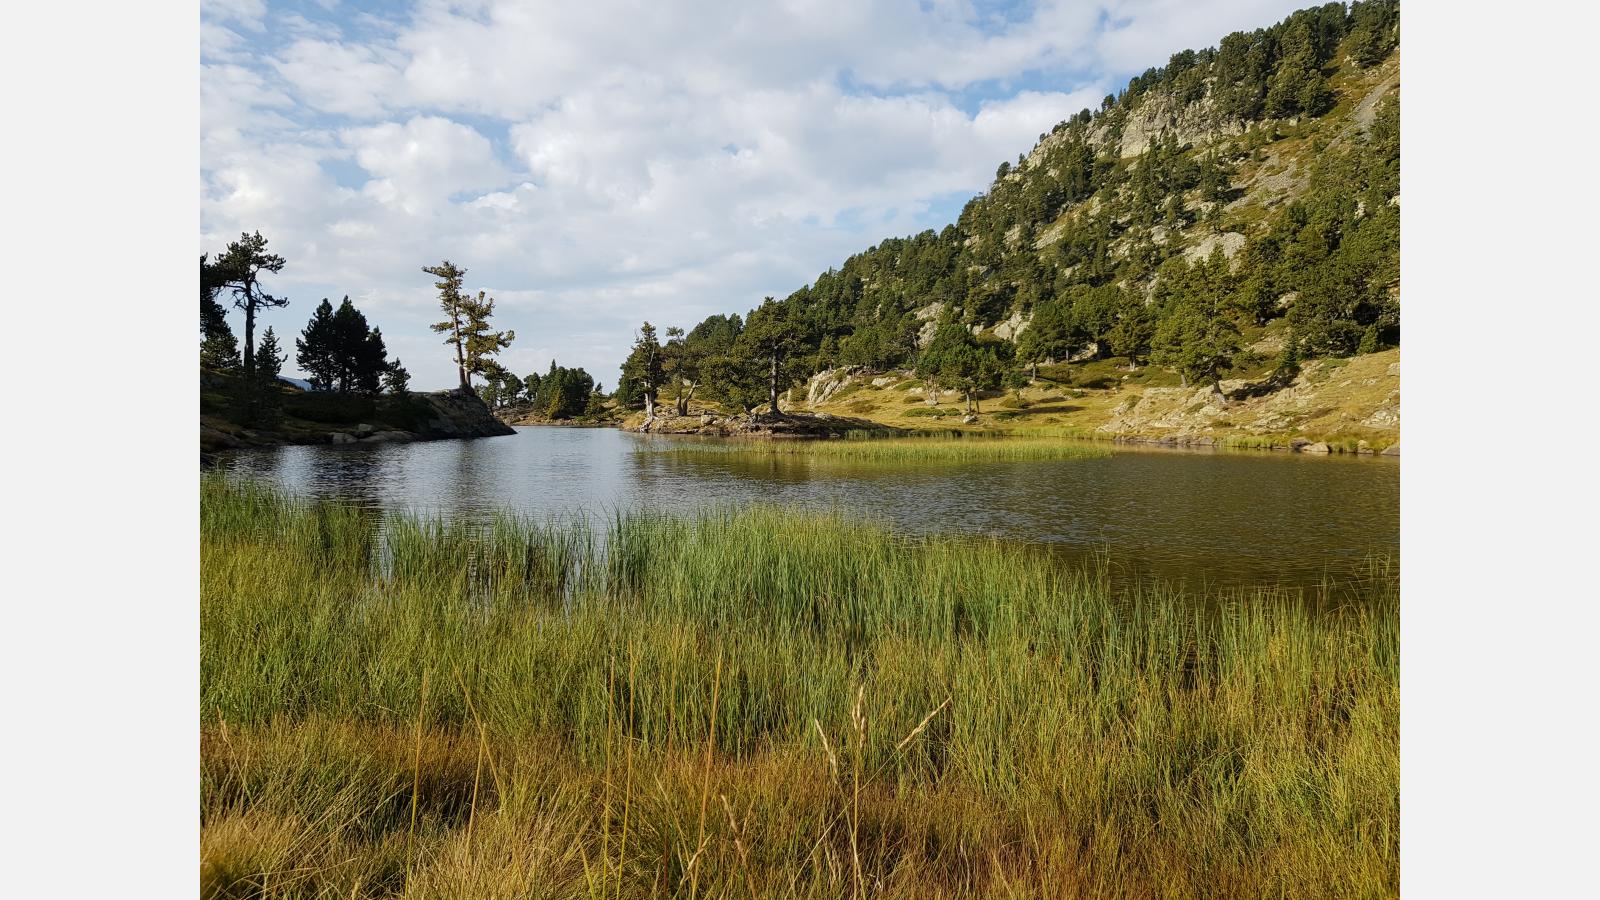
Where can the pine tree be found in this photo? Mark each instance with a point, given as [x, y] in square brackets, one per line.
[451, 302]
[315, 351]
[771, 344]
[262, 396]
[219, 349]
[642, 371]
[269, 359]
[396, 380]
[242, 266]
[337, 350]
[372, 359]
[1135, 326]
[480, 344]
[349, 335]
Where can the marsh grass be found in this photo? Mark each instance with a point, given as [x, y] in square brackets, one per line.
[766, 703]
[943, 446]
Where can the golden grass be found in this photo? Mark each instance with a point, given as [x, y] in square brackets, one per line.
[763, 703]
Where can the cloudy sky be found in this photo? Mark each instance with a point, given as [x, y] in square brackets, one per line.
[599, 163]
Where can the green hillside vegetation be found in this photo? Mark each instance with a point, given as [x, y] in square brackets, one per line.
[1248, 186]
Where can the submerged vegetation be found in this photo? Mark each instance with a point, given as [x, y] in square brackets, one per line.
[760, 703]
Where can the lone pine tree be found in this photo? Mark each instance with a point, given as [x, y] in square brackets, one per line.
[242, 265]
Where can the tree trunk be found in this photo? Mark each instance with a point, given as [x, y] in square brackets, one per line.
[1034, 379]
[649, 406]
[1183, 378]
[774, 385]
[1216, 384]
[461, 360]
[249, 336]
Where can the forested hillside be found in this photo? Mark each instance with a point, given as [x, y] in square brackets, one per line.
[1250, 185]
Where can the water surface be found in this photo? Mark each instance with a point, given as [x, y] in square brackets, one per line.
[1199, 518]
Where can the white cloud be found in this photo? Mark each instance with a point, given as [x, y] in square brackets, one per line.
[600, 163]
[418, 165]
[342, 79]
[248, 13]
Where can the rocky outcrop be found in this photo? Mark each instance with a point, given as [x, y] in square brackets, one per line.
[828, 382]
[929, 317]
[438, 415]
[1008, 329]
[1231, 242]
[1160, 113]
[460, 414]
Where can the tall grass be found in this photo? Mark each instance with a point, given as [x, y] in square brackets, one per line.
[945, 446]
[759, 702]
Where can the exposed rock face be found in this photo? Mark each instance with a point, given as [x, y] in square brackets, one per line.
[1231, 243]
[460, 414]
[826, 383]
[1010, 328]
[929, 317]
[1161, 113]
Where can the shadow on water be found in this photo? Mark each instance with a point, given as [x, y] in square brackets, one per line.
[1198, 520]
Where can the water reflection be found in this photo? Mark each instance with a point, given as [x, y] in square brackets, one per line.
[1201, 519]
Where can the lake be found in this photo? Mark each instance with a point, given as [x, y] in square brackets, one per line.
[1200, 518]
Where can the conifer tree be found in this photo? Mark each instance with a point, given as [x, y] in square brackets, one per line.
[262, 395]
[772, 343]
[315, 351]
[451, 303]
[479, 343]
[242, 265]
[643, 371]
[269, 359]
[219, 349]
[371, 361]
[396, 380]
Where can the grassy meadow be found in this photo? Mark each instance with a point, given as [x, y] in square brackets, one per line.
[766, 703]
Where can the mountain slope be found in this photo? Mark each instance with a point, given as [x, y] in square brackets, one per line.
[1239, 190]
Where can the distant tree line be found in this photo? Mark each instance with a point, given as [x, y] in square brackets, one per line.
[560, 393]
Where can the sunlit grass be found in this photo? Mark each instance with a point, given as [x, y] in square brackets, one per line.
[761, 702]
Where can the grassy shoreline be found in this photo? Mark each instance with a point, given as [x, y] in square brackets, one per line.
[863, 448]
[766, 703]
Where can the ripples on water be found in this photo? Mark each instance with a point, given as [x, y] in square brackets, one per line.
[1196, 518]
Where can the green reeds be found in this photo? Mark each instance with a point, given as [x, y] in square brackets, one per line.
[874, 714]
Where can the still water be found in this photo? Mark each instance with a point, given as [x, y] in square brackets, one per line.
[1203, 519]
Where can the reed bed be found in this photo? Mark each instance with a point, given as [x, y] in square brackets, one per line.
[766, 703]
[946, 446]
